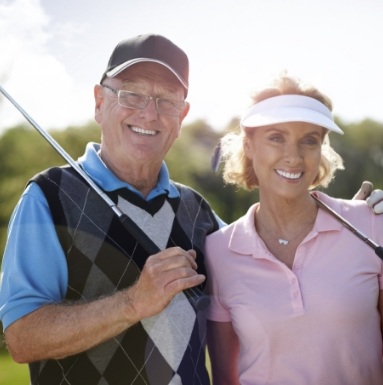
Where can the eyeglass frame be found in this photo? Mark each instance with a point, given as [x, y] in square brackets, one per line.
[180, 108]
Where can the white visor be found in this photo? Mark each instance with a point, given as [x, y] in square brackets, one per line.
[289, 108]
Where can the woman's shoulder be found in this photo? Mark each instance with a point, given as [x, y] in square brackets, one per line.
[342, 204]
[354, 210]
[239, 226]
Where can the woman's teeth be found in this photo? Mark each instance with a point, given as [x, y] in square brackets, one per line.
[289, 175]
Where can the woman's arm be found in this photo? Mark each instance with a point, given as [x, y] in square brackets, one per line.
[223, 348]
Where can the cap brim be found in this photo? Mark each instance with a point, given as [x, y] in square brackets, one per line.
[115, 71]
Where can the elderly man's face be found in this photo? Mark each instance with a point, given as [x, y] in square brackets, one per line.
[138, 137]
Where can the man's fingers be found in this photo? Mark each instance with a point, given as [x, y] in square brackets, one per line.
[373, 198]
[364, 191]
[164, 275]
[174, 257]
[375, 201]
[378, 208]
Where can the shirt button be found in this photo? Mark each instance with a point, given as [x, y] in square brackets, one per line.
[293, 281]
[297, 265]
[296, 293]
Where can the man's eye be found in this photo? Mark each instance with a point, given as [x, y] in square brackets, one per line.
[133, 96]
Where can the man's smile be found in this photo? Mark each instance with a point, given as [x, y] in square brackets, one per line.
[142, 131]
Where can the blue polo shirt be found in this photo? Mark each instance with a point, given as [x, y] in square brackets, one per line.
[34, 270]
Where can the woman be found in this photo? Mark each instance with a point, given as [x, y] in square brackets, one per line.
[295, 294]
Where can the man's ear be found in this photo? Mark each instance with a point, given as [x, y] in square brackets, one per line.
[182, 117]
[185, 111]
[98, 100]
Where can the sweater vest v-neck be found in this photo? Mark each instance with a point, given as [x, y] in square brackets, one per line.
[102, 258]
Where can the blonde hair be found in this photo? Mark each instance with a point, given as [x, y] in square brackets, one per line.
[238, 169]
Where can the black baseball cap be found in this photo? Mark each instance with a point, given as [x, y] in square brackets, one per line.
[149, 48]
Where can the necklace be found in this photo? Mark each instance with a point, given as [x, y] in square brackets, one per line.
[283, 241]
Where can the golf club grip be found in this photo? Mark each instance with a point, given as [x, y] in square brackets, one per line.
[198, 299]
[379, 252]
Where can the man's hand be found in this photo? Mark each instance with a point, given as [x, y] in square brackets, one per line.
[364, 191]
[164, 275]
[373, 198]
[375, 201]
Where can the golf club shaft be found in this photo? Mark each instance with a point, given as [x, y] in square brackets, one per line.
[198, 299]
[378, 249]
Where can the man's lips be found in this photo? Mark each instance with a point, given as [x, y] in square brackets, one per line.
[142, 131]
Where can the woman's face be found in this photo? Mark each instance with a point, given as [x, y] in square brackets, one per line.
[285, 157]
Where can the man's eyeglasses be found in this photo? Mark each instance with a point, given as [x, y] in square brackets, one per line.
[138, 101]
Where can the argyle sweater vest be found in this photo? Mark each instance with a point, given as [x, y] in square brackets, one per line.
[102, 257]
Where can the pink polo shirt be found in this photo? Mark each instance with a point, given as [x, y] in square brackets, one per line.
[316, 324]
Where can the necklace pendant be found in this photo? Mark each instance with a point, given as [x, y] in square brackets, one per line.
[283, 242]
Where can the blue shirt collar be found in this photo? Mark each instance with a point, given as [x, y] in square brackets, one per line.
[99, 172]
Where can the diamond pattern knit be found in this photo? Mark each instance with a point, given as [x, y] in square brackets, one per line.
[102, 258]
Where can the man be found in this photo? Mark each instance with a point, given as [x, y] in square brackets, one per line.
[81, 300]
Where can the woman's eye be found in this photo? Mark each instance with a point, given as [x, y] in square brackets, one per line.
[276, 138]
[311, 140]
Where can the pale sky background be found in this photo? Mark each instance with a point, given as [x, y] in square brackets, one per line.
[52, 52]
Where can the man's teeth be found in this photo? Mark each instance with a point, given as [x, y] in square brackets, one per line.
[289, 175]
[142, 131]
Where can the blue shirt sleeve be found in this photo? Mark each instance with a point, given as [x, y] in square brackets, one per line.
[34, 270]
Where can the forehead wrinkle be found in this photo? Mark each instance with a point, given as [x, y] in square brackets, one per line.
[151, 73]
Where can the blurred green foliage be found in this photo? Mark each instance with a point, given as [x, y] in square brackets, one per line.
[24, 152]
[361, 148]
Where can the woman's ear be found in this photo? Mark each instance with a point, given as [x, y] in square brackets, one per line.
[246, 147]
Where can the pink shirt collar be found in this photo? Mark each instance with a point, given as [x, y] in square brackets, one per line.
[244, 228]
